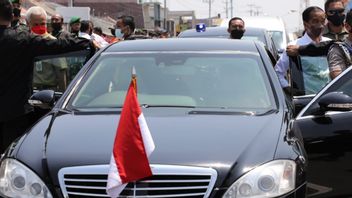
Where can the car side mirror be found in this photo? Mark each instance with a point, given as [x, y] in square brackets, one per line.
[44, 99]
[335, 101]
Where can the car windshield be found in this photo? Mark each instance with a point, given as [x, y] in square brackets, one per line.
[278, 39]
[198, 80]
[315, 73]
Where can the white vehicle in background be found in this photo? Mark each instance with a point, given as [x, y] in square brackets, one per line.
[274, 25]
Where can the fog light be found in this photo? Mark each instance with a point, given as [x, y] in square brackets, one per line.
[245, 189]
[266, 183]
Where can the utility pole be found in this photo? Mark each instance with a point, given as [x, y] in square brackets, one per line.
[303, 5]
[257, 11]
[70, 3]
[165, 14]
[227, 8]
[231, 8]
[210, 2]
[251, 9]
[209, 13]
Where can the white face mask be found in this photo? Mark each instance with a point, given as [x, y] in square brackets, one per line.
[118, 33]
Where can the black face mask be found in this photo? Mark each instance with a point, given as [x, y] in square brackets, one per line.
[237, 33]
[336, 19]
[316, 30]
[56, 26]
[16, 12]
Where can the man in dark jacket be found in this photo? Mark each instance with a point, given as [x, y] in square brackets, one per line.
[56, 24]
[17, 51]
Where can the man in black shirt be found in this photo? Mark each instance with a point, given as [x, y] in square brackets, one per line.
[17, 51]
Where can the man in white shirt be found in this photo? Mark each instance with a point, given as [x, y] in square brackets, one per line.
[314, 22]
[86, 31]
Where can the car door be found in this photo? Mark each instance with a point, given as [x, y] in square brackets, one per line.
[307, 76]
[55, 72]
[328, 143]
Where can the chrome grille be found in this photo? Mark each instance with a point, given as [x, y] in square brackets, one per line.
[167, 181]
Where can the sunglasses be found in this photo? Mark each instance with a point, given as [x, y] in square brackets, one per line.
[339, 11]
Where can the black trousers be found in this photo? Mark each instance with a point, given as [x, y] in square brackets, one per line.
[12, 129]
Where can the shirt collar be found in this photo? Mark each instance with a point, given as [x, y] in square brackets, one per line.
[307, 38]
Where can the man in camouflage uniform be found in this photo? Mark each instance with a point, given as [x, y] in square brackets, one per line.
[17, 23]
[339, 54]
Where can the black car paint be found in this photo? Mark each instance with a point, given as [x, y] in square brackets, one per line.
[328, 143]
[250, 149]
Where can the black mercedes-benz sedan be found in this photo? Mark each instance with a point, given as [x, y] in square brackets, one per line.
[219, 119]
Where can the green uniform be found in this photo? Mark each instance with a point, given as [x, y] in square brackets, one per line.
[50, 73]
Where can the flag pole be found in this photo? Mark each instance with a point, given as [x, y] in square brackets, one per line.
[134, 74]
[134, 78]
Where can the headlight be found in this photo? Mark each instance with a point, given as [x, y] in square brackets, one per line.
[269, 180]
[16, 180]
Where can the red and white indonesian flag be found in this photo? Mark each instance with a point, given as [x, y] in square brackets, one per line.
[133, 144]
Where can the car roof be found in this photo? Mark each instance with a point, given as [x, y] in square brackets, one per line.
[220, 32]
[183, 44]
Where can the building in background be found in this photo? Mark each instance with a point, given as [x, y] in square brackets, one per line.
[111, 8]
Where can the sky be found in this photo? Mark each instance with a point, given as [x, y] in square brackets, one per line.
[288, 10]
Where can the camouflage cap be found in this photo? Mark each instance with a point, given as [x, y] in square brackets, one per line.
[75, 20]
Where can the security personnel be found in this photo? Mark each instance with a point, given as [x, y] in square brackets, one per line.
[17, 51]
[56, 24]
[236, 28]
[75, 25]
[17, 23]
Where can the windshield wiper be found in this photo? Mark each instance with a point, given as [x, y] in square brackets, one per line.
[174, 106]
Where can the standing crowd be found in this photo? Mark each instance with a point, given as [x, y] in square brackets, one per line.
[21, 42]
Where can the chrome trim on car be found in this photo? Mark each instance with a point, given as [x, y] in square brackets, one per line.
[82, 174]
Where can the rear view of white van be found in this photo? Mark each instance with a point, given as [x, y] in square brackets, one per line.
[274, 25]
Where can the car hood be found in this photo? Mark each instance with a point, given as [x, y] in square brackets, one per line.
[205, 140]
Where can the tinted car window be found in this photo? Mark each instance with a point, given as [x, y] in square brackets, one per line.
[209, 80]
[315, 73]
[308, 74]
[343, 84]
[56, 72]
